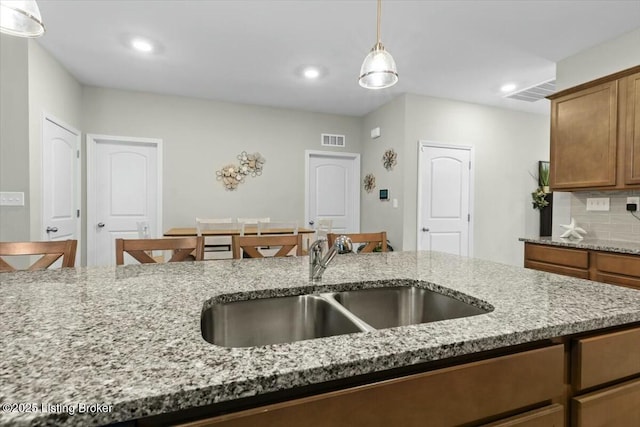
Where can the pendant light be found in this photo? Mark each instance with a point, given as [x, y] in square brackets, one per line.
[21, 18]
[378, 69]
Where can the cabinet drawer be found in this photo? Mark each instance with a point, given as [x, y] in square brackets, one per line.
[549, 416]
[445, 397]
[604, 358]
[614, 279]
[617, 406]
[558, 269]
[576, 258]
[627, 265]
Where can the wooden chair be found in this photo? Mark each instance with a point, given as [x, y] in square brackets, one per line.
[253, 221]
[140, 249]
[372, 240]
[51, 252]
[251, 245]
[323, 228]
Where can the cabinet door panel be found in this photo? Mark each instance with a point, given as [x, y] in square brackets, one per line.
[549, 416]
[605, 358]
[617, 406]
[584, 138]
[445, 397]
[576, 258]
[632, 141]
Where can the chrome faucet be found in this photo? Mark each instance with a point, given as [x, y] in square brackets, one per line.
[319, 263]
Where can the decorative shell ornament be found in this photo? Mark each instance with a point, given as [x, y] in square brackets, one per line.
[369, 182]
[389, 159]
[251, 163]
[230, 176]
[573, 231]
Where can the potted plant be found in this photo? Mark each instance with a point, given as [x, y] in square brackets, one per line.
[539, 199]
[543, 176]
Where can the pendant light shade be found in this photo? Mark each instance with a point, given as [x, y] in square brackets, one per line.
[378, 70]
[21, 18]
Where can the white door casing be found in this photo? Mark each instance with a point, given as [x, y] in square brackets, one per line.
[445, 198]
[124, 188]
[60, 181]
[332, 189]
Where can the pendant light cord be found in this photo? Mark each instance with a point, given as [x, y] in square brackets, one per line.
[379, 14]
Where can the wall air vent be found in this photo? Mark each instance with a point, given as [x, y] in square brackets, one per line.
[534, 93]
[330, 140]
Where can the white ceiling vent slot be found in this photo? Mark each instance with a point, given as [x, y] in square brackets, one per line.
[330, 140]
[534, 93]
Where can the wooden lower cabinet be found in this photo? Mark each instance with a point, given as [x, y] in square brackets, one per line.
[617, 406]
[458, 395]
[606, 267]
[587, 380]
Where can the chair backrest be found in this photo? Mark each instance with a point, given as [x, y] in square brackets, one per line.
[372, 240]
[251, 245]
[140, 248]
[277, 227]
[50, 251]
[253, 221]
[323, 227]
[203, 224]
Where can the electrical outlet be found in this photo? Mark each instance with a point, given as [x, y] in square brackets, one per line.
[11, 198]
[598, 204]
[635, 201]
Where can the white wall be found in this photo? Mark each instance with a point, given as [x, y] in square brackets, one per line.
[14, 135]
[507, 144]
[606, 58]
[52, 90]
[380, 215]
[201, 136]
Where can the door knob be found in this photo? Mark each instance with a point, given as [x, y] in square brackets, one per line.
[311, 222]
[52, 229]
[100, 224]
[425, 229]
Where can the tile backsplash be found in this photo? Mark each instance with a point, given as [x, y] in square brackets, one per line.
[616, 224]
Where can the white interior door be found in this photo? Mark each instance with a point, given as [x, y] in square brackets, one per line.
[60, 181]
[124, 189]
[445, 194]
[333, 190]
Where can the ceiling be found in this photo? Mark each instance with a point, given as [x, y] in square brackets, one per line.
[253, 51]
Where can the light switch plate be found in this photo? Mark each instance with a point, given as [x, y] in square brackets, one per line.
[598, 204]
[11, 198]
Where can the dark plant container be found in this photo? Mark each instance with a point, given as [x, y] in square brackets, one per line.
[546, 216]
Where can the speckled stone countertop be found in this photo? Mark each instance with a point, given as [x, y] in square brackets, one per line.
[129, 337]
[619, 246]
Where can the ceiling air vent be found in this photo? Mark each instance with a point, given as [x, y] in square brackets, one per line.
[331, 140]
[535, 93]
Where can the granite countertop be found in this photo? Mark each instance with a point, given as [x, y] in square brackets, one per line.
[618, 246]
[129, 337]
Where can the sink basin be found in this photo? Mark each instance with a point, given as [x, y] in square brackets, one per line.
[273, 320]
[277, 320]
[401, 305]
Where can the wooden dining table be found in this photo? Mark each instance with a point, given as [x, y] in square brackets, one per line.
[248, 230]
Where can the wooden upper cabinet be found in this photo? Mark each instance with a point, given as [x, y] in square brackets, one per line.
[584, 138]
[595, 134]
[632, 140]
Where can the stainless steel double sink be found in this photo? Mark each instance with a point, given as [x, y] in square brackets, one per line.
[276, 320]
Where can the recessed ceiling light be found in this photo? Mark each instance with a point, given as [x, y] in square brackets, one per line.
[509, 87]
[311, 73]
[142, 45]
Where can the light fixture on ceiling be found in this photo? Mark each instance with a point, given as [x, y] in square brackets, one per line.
[508, 87]
[378, 69]
[311, 73]
[142, 45]
[21, 18]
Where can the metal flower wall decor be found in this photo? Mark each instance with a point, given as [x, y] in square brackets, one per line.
[369, 182]
[389, 159]
[232, 175]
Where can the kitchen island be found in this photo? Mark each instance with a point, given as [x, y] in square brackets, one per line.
[125, 342]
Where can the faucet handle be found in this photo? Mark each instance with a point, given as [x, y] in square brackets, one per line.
[343, 244]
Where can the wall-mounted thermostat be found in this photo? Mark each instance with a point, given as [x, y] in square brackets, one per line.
[384, 194]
